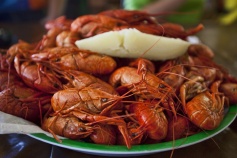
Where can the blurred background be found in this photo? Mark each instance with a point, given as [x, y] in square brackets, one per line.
[27, 13]
[25, 19]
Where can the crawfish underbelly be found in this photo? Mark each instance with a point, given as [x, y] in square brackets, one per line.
[202, 113]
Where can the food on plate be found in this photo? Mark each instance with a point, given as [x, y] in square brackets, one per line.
[122, 69]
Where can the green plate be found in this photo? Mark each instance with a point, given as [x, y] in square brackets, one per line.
[118, 150]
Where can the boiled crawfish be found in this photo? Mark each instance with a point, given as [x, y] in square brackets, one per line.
[74, 127]
[61, 22]
[144, 85]
[22, 47]
[151, 118]
[148, 87]
[37, 75]
[64, 58]
[90, 25]
[91, 100]
[130, 16]
[147, 23]
[69, 127]
[19, 100]
[206, 109]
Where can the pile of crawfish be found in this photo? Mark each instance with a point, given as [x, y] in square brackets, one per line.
[87, 96]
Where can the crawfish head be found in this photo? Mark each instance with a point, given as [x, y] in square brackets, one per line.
[191, 88]
[70, 127]
[145, 85]
[22, 48]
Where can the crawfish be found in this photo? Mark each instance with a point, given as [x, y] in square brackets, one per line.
[22, 101]
[91, 100]
[87, 99]
[140, 85]
[90, 25]
[206, 110]
[89, 94]
[78, 125]
[145, 85]
[61, 22]
[64, 58]
[69, 127]
[130, 16]
[37, 75]
[22, 47]
[151, 119]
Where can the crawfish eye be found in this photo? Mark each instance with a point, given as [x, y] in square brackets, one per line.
[72, 77]
[119, 24]
[81, 129]
[56, 85]
[57, 60]
[134, 134]
[104, 100]
[161, 86]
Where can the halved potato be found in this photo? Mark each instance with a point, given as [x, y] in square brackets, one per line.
[131, 43]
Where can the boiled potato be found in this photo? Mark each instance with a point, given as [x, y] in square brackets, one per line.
[131, 43]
